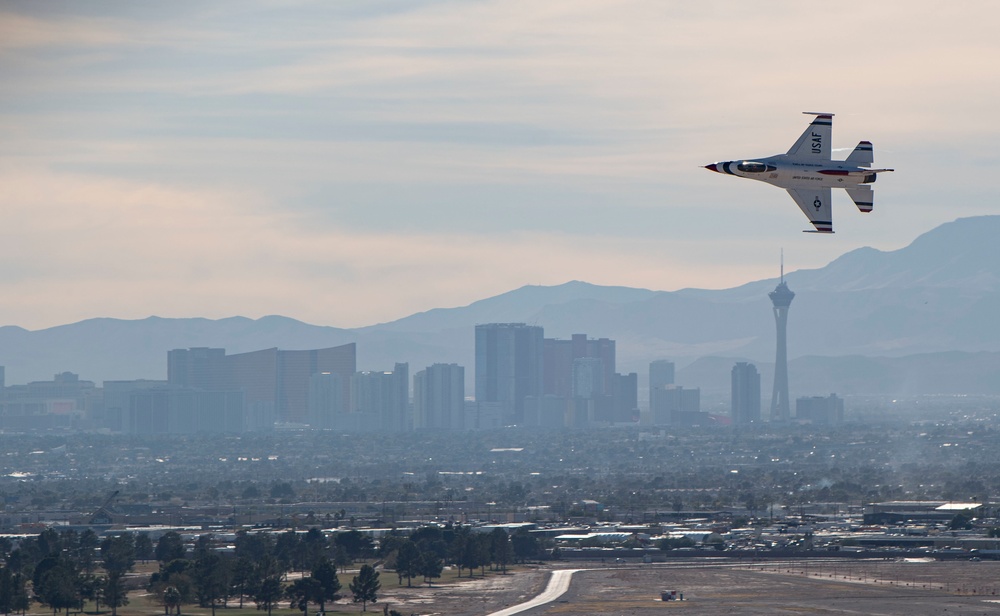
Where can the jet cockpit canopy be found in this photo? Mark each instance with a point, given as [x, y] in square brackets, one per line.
[754, 167]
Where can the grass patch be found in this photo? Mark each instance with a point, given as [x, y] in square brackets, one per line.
[142, 603]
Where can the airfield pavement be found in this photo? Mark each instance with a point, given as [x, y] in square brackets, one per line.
[724, 586]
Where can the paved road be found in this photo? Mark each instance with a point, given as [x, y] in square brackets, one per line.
[557, 586]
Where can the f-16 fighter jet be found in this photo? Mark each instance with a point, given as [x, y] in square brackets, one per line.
[808, 173]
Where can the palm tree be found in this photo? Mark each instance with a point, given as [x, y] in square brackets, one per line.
[171, 599]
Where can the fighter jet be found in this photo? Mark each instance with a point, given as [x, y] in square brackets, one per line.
[808, 173]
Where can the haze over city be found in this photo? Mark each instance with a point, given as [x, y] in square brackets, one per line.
[347, 164]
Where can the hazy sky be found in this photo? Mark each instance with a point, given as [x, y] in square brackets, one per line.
[346, 163]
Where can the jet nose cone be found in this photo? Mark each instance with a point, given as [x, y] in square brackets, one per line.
[712, 167]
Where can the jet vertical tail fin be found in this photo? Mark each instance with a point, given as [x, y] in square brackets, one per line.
[814, 143]
[863, 197]
[863, 155]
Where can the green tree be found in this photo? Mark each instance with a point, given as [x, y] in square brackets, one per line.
[176, 575]
[431, 538]
[407, 561]
[326, 575]
[118, 558]
[286, 549]
[426, 534]
[672, 543]
[313, 548]
[92, 589]
[500, 550]
[254, 546]
[17, 597]
[524, 545]
[171, 600]
[20, 600]
[144, 549]
[211, 575]
[169, 547]
[431, 566]
[42, 567]
[58, 588]
[341, 559]
[242, 577]
[483, 544]
[389, 544]
[473, 554]
[354, 542]
[49, 542]
[268, 595]
[114, 592]
[961, 521]
[118, 554]
[203, 545]
[6, 589]
[302, 592]
[457, 549]
[365, 586]
[86, 546]
[267, 568]
[282, 490]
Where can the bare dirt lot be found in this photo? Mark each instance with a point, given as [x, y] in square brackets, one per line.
[469, 597]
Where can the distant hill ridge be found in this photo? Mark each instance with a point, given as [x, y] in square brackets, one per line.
[940, 294]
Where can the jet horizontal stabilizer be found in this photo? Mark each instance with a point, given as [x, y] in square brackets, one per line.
[863, 197]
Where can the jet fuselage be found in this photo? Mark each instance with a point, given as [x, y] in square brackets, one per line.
[779, 171]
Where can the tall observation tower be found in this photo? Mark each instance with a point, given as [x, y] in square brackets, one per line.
[782, 298]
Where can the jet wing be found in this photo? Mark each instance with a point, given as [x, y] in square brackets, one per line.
[815, 141]
[815, 204]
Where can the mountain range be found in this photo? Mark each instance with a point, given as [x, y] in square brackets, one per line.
[868, 322]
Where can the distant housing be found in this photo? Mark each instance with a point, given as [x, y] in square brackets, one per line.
[896, 512]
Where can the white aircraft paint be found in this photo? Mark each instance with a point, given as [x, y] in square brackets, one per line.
[808, 173]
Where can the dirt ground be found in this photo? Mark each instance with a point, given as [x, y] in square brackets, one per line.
[911, 588]
[468, 598]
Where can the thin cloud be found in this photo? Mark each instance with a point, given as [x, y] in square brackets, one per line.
[235, 158]
[211, 253]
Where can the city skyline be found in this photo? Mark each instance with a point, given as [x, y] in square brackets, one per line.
[521, 379]
[238, 159]
[866, 286]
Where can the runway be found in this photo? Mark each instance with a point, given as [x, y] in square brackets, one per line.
[557, 586]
